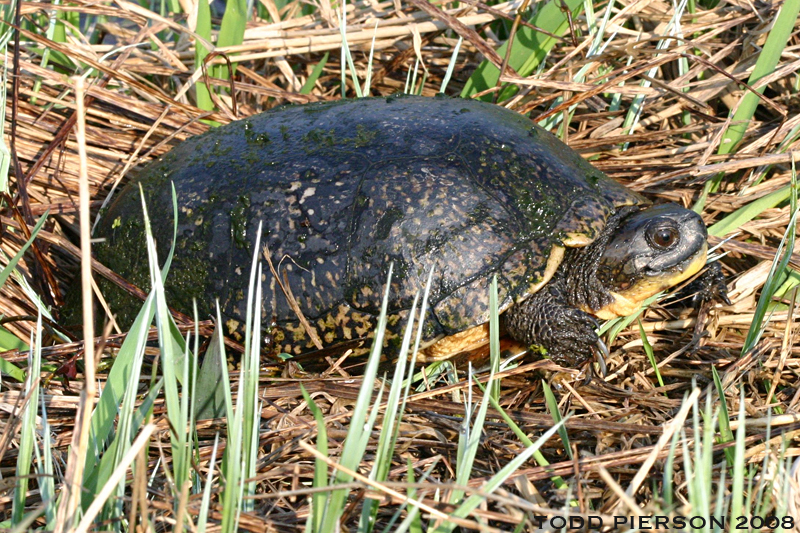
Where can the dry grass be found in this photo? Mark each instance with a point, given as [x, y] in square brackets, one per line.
[139, 108]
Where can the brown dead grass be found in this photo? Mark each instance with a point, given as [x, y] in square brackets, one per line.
[139, 109]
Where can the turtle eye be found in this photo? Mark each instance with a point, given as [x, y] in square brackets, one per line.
[662, 237]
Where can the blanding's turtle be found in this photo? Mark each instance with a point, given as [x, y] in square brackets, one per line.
[346, 188]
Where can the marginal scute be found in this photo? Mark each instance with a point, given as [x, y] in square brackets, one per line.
[584, 220]
[553, 262]
[530, 267]
[462, 341]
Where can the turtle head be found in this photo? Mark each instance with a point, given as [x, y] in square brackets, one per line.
[651, 250]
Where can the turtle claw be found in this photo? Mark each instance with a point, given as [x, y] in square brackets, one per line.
[709, 286]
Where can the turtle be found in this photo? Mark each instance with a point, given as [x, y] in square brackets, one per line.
[470, 190]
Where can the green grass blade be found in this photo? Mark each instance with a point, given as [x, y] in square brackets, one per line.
[62, 19]
[27, 438]
[320, 467]
[636, 106]
[170, 346]
[688, 469]
[719, 504]
[390, 430]
[707, 456]
[422, 312]
[119, 445]
[202, 91]
[450, 66]
[44, 467]
[105, 413]
[26, 524]
[648, 350]
[249, 374]
[128, 427]
[421, 85]
[36, 300]
[555, 414]
[725, 433]
[52, 22]
[792, 281]
[368, 80]
[408, 81]
[231, 464]
[669, 472]
[7, 31]
[190, 368]
[413, 517]
[231, 31]
[529, 49]
[371, 419]
[494, 337]
[210, 384]
[5, 153]
[347, 59]
[240, 452]
[774, 280]
[765, 485]
[316, 72]
[412, 521]
[11, 342]
[12, 264]
[412, 88]
[127, 361]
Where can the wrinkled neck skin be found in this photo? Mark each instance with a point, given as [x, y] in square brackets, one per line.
[579, 273]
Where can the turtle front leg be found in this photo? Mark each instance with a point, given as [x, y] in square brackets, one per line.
[546, 319]
[709, 286]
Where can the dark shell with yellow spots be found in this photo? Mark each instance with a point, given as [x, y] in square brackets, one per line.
[343, 190]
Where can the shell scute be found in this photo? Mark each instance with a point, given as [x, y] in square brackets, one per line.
[438, 220]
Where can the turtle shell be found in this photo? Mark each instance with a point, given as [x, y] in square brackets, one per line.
[343, 190]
